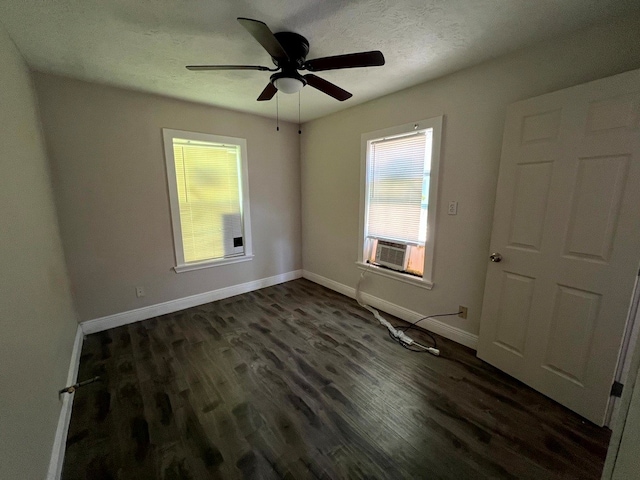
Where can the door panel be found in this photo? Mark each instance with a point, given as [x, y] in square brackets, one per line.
[540, 127]
[596, 205]
[574, 315]
[530, 204]
[513, 313]
[567, 224]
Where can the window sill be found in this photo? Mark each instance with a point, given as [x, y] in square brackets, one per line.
[403, 277]
[187, 267]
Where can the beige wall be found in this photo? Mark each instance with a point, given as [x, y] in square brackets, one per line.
[37, 320]
[473, 102]
[110, 184]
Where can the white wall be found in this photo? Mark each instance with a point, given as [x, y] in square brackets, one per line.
[473, 102]
[110, 184]
[37, 319]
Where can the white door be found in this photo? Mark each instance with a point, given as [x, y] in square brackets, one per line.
[567, 226]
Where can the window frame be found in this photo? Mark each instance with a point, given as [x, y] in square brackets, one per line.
[434, 123]
[180, 264]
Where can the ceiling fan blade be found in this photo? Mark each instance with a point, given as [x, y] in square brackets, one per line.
[265, 37]
[327, 87]
[350, 60]
[205, 68]
[268, 92]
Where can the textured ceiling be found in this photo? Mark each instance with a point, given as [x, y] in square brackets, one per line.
[145, 45]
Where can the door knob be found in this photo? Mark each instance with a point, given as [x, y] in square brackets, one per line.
[495, 257]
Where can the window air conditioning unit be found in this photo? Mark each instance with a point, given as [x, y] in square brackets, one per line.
[392, 255]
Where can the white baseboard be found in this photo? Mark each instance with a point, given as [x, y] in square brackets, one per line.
[132, 316]
[60, 439]
[436, 326]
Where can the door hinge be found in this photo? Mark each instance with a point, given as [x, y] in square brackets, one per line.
[616, 389]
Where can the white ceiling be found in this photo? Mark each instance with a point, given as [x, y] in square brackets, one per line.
[145, 45]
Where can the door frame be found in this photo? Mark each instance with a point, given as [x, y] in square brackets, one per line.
[630, 343]
[632, 388]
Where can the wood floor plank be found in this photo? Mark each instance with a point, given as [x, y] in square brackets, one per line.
[297, 381]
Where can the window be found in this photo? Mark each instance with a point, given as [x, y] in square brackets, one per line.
[398, 204]
[209, 196]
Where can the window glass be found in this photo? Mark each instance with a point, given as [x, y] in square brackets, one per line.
[209, 201]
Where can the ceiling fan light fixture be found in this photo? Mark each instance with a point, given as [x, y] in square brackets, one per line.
[288, 84]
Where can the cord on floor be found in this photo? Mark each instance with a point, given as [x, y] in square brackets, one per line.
[398, 333]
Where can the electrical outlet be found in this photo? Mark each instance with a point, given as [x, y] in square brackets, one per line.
[462, 311]
[453, 208]
[139, 292]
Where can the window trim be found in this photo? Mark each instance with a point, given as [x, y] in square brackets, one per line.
[403, 277]
[436, 124]
[180, 265]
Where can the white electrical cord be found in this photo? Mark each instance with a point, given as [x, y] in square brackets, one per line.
[399, 334]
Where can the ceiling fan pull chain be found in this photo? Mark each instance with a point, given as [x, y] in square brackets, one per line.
[277, 114]
[299, 129]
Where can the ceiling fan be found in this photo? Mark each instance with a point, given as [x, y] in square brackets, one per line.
[289, 51]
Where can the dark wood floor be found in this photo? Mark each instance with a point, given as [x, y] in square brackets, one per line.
[296, 381]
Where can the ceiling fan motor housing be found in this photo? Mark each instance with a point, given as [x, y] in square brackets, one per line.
[296, 46]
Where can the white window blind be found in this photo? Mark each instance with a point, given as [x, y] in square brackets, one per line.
[398, 187]
[210, 199]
